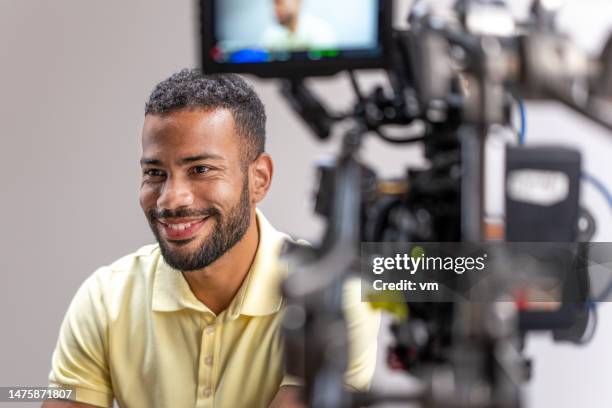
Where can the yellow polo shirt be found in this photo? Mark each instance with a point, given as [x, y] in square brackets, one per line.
[136, 333]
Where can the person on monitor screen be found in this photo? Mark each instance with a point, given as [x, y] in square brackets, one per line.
[194, 320]
[297, 29]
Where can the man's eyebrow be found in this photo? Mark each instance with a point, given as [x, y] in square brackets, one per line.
[152, 162]
[186, 160]
[201, 157]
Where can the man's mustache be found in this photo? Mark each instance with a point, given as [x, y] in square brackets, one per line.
[182, 213]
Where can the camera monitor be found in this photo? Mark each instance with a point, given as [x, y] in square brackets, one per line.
[294, 38]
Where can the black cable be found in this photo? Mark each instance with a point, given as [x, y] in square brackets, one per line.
[378, 130]
[406, 140]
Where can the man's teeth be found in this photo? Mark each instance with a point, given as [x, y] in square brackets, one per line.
[181, 227]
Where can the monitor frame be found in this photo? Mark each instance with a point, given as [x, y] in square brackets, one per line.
[293, 69]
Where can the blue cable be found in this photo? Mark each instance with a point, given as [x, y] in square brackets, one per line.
[523, 130]
[599, 186]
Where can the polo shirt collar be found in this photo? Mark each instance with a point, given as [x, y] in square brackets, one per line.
[259, 294]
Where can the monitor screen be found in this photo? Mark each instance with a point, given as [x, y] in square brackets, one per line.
[294, 37]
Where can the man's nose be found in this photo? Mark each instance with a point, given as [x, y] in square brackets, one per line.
[175, 194]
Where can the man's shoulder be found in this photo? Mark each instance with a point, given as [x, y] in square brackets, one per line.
[317, 30]
[128, 275]
[140, 261]
[145, 254]
[112, 290]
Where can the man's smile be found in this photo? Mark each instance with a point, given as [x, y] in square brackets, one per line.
[181, 228]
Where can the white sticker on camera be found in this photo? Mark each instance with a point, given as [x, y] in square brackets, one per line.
[539, 187]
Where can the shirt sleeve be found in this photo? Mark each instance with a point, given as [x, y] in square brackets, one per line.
[80, 358]
[363, 324]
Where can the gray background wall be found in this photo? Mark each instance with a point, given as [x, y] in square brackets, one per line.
[74, 75]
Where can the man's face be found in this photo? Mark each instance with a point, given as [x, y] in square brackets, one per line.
[286, 11]
[194, 191]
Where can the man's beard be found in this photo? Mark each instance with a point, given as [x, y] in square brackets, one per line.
[287, 21]
[227, 231]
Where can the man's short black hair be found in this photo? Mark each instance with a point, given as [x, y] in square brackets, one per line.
[191, 89]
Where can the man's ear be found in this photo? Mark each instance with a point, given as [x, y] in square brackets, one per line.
[260, 177]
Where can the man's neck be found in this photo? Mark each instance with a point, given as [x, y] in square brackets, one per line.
[217, 284]
[293, 24]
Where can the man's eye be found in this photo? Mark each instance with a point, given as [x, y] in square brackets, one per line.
[201, 169]
[154, 173]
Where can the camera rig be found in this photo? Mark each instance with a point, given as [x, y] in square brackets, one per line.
[454, 73]
[452, 78]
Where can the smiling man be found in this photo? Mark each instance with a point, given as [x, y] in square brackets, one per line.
[194, 321]
[297, 29]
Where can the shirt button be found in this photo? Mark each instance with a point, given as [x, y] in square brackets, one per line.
[210, 330]
[207, 392]
[208, 360]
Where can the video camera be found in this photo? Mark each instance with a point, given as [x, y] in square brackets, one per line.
[456, 72]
